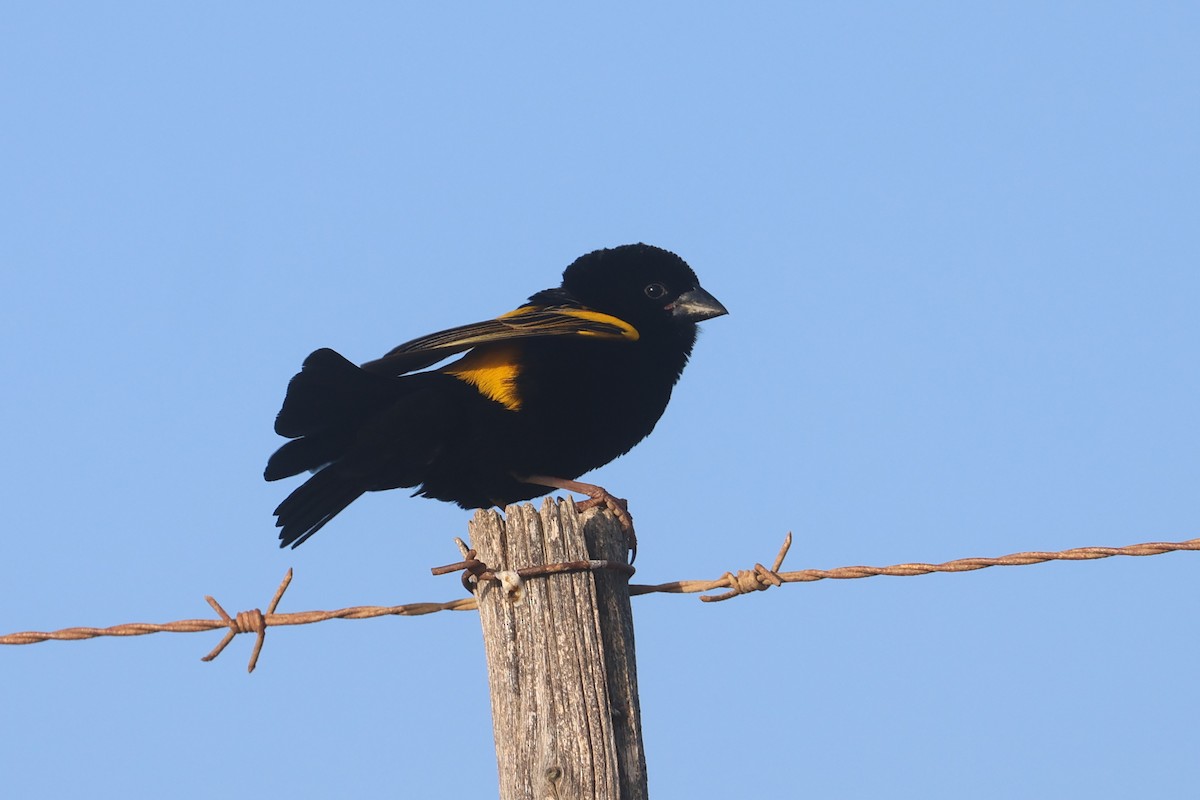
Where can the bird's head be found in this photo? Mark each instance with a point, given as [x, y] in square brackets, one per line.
[646, 286]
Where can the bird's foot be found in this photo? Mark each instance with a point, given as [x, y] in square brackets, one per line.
[597, 496]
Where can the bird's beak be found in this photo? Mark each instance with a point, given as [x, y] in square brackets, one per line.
[696, 306]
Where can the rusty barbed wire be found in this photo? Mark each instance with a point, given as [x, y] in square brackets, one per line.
[756, 579]
[759, 578]
[474, 571]
[245, 622]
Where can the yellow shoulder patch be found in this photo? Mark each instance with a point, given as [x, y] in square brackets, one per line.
[492, 371]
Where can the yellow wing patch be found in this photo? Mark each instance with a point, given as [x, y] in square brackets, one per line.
[492, 371]
[527, 322]
[625, 330]
[558, 321]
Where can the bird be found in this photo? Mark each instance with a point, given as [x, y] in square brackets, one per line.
[533, 399]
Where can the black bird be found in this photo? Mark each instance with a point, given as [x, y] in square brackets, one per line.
[564, 384]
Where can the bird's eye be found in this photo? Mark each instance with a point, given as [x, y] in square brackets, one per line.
[656, 290]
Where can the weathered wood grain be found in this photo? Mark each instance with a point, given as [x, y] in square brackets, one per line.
[560, 656]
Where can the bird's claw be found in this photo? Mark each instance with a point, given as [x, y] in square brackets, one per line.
[620, 509]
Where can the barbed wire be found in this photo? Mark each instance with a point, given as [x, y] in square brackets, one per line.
[755, 579]
[760, 578]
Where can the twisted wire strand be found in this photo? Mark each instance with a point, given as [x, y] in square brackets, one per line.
[733, 583]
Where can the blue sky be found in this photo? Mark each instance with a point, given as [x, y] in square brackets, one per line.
[958, 243]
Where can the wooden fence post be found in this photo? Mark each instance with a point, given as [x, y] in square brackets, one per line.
[560, 656]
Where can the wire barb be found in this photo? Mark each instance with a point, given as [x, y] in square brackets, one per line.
[758, 579]
[475, 570]
[251, 621]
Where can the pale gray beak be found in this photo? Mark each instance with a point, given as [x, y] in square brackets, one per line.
[696, 306]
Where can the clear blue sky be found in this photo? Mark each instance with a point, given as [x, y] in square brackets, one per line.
[959, 247]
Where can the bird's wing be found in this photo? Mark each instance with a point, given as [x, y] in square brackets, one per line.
[526, 322]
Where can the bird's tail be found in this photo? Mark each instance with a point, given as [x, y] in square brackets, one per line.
[320, 499]
[327, 404]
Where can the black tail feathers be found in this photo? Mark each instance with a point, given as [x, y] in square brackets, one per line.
[329, 387]
[327, 402]
[302, 455]
[321, 498]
